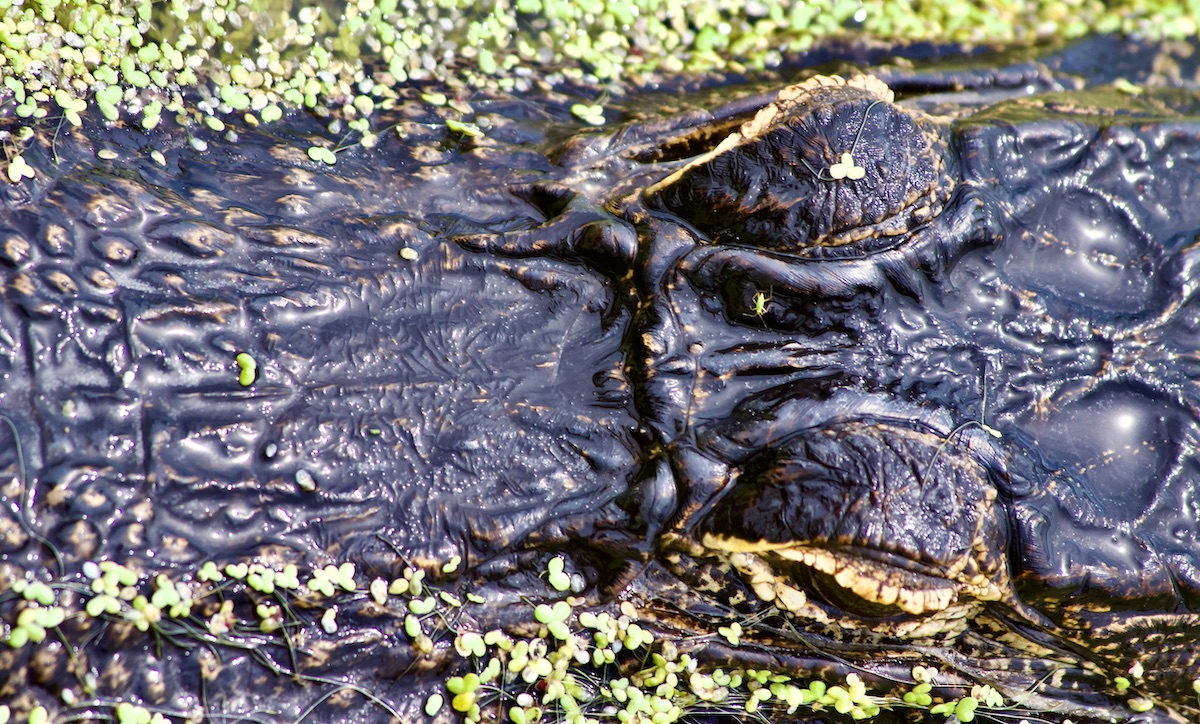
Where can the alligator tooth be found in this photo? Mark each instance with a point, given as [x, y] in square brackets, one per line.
[790, 598]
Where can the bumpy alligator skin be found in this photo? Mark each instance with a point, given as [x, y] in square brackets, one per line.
[957, 389]
[904, 381]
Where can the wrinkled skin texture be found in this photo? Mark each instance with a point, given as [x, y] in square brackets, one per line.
[1039, 327]
[441, 406]
[944, 413]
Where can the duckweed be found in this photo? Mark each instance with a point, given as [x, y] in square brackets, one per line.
[556, 574]
[591, 114]
[579, 664]
[19, 169]
[433, 704]
[202, 60]
[247, 369]
[322, 154]
[462, 128]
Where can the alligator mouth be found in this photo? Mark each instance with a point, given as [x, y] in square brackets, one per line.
[878, 584]
[821, 582]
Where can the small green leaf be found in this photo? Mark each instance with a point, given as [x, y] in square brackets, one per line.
[421, 606]
[237, 99]
[102, 604]
[991, 697]
[1140, 704]
[559, 581]
[590, 114]
[322, 154]
[130, 714]
[209, 572]
[40, 592]
[64, 99]
[463, 702]
[18, 169]
[151, 115]
[464, 128]
[470, 643]
[559, 630]
[51, 617]
[487, 62]
[247, 369]
[412, 626]
[19, 637]
[378, 591]
[732, 633]
[552, 614]
[329, 620]
[965, 709]
[1124, 86]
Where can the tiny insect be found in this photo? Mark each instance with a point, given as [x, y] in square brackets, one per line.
[760, 303]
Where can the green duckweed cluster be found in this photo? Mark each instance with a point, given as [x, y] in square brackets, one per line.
[204, 60]
[570, 663]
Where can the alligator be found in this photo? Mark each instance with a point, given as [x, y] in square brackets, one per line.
[893, 368]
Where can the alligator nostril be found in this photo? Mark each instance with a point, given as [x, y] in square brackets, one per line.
[1085, 250]
[1118, 442]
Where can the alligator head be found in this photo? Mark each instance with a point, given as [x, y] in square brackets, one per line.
[918, 380]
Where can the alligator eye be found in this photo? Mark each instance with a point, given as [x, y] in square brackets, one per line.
[829, 164]
[867, 519]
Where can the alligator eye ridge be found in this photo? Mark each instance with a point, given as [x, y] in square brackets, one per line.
[831, 163]
[838, 521]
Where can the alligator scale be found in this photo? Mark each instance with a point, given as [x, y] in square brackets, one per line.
[891, 374]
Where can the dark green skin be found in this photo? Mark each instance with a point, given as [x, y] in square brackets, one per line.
[574, 365]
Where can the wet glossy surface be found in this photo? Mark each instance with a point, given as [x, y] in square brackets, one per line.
[1000, 402]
